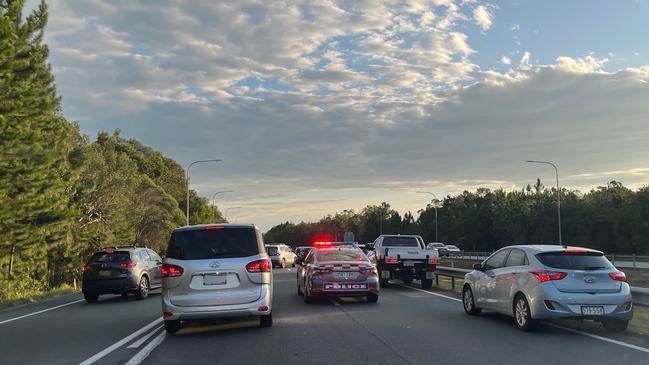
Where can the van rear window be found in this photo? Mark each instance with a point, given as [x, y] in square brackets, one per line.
[574, 261]
[400, 242]
[200, 244]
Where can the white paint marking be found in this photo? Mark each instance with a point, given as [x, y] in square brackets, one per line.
[120, 343]
[146, 350]
[139, 342]
[334, 302]
[597, 337]
[41, 311]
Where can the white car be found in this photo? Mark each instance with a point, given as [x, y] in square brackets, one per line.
[281, 255]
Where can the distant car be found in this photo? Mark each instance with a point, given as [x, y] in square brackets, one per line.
[215, 271]
[281, 255]
[301, 253]
[453, 251]
[121, 271]
[538, 282]
[338, 271]
[440, 247]
[405, 257]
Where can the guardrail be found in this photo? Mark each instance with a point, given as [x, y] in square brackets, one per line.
[640, 295]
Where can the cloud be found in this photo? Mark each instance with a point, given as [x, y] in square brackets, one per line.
[525, 60]
[515, 27]
[505, 60]
[587, 64]
[482, 17]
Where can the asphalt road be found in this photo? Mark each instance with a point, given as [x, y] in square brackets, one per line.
[407, 326]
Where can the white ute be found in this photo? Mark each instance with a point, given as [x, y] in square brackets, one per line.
[405, 257]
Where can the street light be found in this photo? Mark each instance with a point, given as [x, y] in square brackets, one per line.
[187, 176]
[556, 171]
[434, 206]
[214, 201]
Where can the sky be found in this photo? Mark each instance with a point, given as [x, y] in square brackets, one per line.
[320, 106]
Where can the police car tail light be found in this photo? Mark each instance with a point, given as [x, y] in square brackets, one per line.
[262, 265]
[369, 271]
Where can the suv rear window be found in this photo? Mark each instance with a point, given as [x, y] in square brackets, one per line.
[200, 244]
[400, 241]
[272, 251]
[574, 261]
[115, 256]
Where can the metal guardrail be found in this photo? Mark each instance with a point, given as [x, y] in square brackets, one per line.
[640, 295]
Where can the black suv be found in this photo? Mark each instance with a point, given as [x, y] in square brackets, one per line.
[126, 270]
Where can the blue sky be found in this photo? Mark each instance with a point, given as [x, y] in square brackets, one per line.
[316, 107]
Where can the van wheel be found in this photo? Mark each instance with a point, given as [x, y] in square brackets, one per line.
[266, 321]
[615, 325]
[91, 297]
[426, 283]
[372, 298]
[523, 316]
[469, 302]
[143, 288]
[172, 326]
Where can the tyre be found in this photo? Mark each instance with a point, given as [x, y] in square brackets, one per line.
[299, 291]
[172, 326]
[266, 321]
[383, 283]
[283, 264]
[426, 283]
[308, 298]
[522, 314]
[91, 297]
[143, 288]
[407, 278]
[615, 325]
[469, 302]
[372, 298]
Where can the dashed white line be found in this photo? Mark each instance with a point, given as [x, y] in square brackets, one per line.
[41, 311]
[120, 343]
[143, 339]
[597, 337]
[146, 350]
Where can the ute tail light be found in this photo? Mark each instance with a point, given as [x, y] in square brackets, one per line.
[128, 265]
[618, 276]
[262, 265]
[85, 268]
[546, 275]
[391, 260]
[434, 261]
[169, 270]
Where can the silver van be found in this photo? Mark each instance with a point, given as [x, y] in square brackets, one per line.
[214, 271]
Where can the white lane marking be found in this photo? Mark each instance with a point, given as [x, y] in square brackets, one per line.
[139, 342]
[120, 343]
[146, 350]
[334, 302]
[597, 337]
[602, 338]
[41, 311]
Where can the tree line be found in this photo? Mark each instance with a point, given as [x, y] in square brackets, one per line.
[612, 218]
[62, 195]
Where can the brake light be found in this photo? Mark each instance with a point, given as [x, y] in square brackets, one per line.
[109, 251]
[434, 261]
[544, 275]
[391, 260]
[262, 265]
[169, 270]
[85, 268]
[575, 251]
[213, 227]
[618, 276]
[369, 272]
[128, 265]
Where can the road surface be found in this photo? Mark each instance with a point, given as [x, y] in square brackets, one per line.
[407, 326]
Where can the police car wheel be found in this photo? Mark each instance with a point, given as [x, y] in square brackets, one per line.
[372, 298]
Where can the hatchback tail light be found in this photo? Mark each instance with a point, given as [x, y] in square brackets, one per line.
[169, 270]
[618, 276]
[545, 275]
[262, 265]
[85, 268]
[128, 265]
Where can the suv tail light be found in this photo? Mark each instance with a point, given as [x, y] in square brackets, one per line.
[618, 276]
[545, 275]
[85, 268]
[262, 265]
[128, 265]
[169, 270]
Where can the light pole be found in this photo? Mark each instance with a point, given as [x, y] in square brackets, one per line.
[214, 201]
[434, 206]
[556, 171]
[187, 176]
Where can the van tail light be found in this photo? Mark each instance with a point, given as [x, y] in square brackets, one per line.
[262, 265]
[85, 268]
[128, 265]
[545, 275]
[618, 276]
[169, 270]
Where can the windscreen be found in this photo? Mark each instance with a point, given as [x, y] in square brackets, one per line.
[400, 241]
[340, 255]
[199, 244]
[574, 261]
[110, 257]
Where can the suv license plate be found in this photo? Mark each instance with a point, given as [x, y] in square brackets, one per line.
[104, 273]
[214, 279]
[408, 263]
[592, 310]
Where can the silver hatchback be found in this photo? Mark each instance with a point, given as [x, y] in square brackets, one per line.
[213, 271]
[535, 282]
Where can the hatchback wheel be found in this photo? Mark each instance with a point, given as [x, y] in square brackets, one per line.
[469, 302]
[266, 321]
[143, 288]
[615, 325]
[172, 326]
[522, 315]
[91, 297]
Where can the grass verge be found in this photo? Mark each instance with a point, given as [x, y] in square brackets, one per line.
[34, 296]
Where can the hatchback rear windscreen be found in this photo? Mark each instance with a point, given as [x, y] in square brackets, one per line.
[109, 257]
[400, 242]
[574, 261]
[200, 244]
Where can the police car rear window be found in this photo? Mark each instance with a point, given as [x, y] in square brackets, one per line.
[400, 241]
[336, 255]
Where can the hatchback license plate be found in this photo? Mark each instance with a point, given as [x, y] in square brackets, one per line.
[592, 310]
[214, 279]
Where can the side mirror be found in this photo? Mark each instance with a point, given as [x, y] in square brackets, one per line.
[477, 266]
